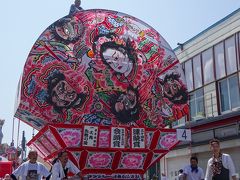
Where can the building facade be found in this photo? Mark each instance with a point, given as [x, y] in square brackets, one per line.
[211, 62]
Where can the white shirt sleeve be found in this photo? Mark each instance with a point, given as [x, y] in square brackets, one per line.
[55, 172]
[185, 170]
[229, 165]
[44, 171]
[202, 174]
[19, 171]
[73, 168]
[208, 175]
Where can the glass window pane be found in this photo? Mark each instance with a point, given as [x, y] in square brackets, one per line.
[199, 103]
[192, 104]
[207, 59]
[188, 75]
[197, 70]
[230, 55]
[219, 61]
[224, 95]
[234, 91]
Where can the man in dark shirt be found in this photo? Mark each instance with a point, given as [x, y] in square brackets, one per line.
[75, 7]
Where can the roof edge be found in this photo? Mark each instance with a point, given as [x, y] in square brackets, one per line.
[210, 27]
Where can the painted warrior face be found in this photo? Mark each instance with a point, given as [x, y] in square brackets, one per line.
[174, 90]
[118, 60]
[171, 87]
[131, 95]
[63, 94]
[69, 30]
[126, 102]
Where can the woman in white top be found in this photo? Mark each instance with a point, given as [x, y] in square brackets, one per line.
[62, 165]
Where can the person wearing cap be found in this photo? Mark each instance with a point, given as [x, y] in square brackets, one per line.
[31, 169]
[62, 166]
[75, 7]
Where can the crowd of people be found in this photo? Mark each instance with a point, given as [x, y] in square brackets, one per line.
[34, 170]
[219, 167]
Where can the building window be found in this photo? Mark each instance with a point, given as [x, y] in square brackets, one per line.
[207, 59]
[231, 61]
[179, 122]
[189, 75]
[197, 104]
[197, 70]
[219, 60]
[229, 93]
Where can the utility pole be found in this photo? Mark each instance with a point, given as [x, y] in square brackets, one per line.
[23, 145]
[1, 133]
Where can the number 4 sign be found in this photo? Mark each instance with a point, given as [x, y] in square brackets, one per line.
[184, 135]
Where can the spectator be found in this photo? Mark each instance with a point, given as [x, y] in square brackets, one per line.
[220, 166]
[62, 165]
[192, 171]
[75, 7]
[31, 169]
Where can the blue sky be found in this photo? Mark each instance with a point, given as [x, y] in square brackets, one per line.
[23, 21]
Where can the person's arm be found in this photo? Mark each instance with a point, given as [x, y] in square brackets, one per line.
[48, 178]
[72, 9]
[231, 167]
[17, 172]
[55, 172]
[202, 174]
[13, 177]
[45, 172]
[185, 172]
[208, 171]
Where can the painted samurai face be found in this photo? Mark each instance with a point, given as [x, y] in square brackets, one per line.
[171, 87]
[118, 61]
[63, 95]
[174, 90]
[125, 106]
[126, 102]
[68, 30]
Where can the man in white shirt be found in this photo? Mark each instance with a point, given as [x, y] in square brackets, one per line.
[192, 171]
[62, 165]
[31, 170]
[220, 166]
